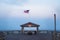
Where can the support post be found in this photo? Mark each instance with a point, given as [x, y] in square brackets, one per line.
[37, 29]
[22, 29]
[54, 26]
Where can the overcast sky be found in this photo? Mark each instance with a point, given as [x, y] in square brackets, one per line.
[11, 11]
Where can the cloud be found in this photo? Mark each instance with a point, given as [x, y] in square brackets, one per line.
[40, 11]
[57, 11]
[13, 2]
[36, 11]
[17, 11]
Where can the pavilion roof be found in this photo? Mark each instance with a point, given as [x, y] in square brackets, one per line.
[29, 23]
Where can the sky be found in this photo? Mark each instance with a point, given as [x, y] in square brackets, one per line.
[41, 12]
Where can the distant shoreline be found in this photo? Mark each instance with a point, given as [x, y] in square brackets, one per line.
[31, 30]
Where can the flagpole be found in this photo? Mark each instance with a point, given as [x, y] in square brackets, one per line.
[54, 26]
[29, 17]
[27, 14]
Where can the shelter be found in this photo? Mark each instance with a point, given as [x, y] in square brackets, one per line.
[29, 24]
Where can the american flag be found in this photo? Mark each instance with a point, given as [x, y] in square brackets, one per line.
[26, 11]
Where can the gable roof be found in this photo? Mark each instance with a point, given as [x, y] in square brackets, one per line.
[29, 23]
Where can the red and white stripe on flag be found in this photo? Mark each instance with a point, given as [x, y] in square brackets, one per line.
[26, 11]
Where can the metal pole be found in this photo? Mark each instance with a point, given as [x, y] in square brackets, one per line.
[54, 26]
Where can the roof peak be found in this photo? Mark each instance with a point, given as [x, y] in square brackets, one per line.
[30, 23]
